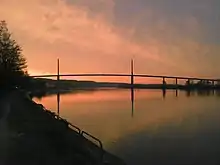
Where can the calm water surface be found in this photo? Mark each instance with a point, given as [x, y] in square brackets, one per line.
[158, 130]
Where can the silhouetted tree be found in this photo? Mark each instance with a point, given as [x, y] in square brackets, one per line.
[12, 63]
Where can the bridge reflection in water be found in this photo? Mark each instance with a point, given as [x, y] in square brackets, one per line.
[188, 93]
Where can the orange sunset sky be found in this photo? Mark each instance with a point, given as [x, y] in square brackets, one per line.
[164, 37]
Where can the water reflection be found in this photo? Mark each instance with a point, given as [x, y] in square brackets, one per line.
[164, 93]
[58, 104]
[144, 128]
[188, 93]
[132, 102]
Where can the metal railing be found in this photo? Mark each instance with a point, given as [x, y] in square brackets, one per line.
[94, 138]
[77, 129]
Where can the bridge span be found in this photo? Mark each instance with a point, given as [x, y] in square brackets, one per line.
[122, 75]
[131, 75]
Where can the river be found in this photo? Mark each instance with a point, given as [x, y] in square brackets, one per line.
[156, 128]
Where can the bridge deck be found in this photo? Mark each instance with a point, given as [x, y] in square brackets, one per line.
[123, 75]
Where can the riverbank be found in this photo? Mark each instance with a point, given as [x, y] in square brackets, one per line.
[39, 137]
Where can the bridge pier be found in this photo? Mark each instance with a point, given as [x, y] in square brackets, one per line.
[176, 82]
[164, 81]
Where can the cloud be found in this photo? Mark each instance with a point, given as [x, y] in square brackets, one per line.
[53, 28]
[86, 36]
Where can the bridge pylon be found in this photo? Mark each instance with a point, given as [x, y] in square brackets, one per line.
[58, 69]
[132, 73]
